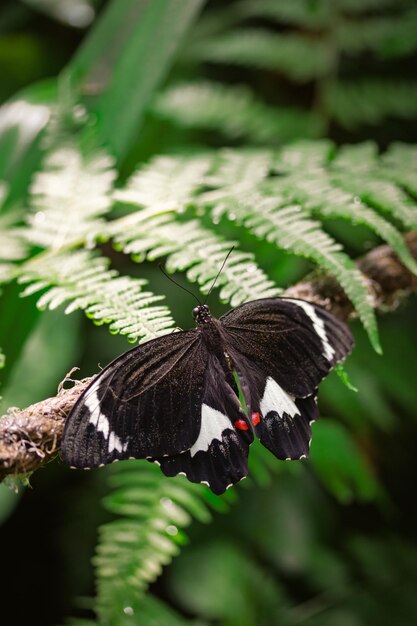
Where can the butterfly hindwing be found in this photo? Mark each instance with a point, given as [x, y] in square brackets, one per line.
[145, 403]
[282, 349]
[284, 425]
[218, 456]
[281, 422]
[293, 341]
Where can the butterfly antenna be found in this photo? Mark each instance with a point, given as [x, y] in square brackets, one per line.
[178, 284]
[218, 273]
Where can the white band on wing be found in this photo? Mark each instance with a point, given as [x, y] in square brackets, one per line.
[318, 326]
[213, 425]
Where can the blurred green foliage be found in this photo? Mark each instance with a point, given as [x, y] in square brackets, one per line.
[326, 542]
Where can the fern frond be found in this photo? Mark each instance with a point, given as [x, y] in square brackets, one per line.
[335, 203]
[68, 196]
[189, 246]
[311, 50]
[13, 246]
[312, 185]
[155, 231]
[134, 548]
[308, 182]
[287, 226]
[294, 55]
[22, 120]
[393, 166]
[153, 612]
[167, 183]
[153, 515]
[235, 112]
[358, 171]
[371, 101]
[387, 36]
[296, 12]
[220, 20]
[83, 281]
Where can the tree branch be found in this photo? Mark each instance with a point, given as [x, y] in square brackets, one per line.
[31, 437]
[388, 282]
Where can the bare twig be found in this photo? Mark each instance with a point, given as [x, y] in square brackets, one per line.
[30, 437]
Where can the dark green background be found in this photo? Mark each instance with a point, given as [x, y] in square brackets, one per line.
[316, 545]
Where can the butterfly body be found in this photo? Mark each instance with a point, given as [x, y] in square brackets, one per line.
[210, 330]
[213, 336]
[174, 400]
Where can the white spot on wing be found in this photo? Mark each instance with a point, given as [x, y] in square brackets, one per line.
[115, 443]
[213, 424]
[276, 399]
[318, 325]
[101, 423]
[97, 418]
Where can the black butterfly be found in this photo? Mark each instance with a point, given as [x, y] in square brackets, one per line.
[174, 400]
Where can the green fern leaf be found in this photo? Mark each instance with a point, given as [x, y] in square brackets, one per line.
[312, 50]
[387, 36]
[295, 55]
[153, 513]
[166, 184]
[134, 548]
[235, 112]
[153, 612]
[309, 182]
[370, 101]
[189, 246]
[399, 164]
[67, 197]
[297, 12]
[13, 246]
[358, 170]
[155, 232]
[286, 226]
[84, 282]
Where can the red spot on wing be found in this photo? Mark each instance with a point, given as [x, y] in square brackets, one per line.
[256, 418]
[241, 424]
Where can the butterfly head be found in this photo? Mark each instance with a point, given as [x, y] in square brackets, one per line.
[201, 314]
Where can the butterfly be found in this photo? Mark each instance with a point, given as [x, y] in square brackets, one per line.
[174, 400]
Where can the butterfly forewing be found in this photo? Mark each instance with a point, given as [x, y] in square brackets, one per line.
[292, 341]
[145, 403]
